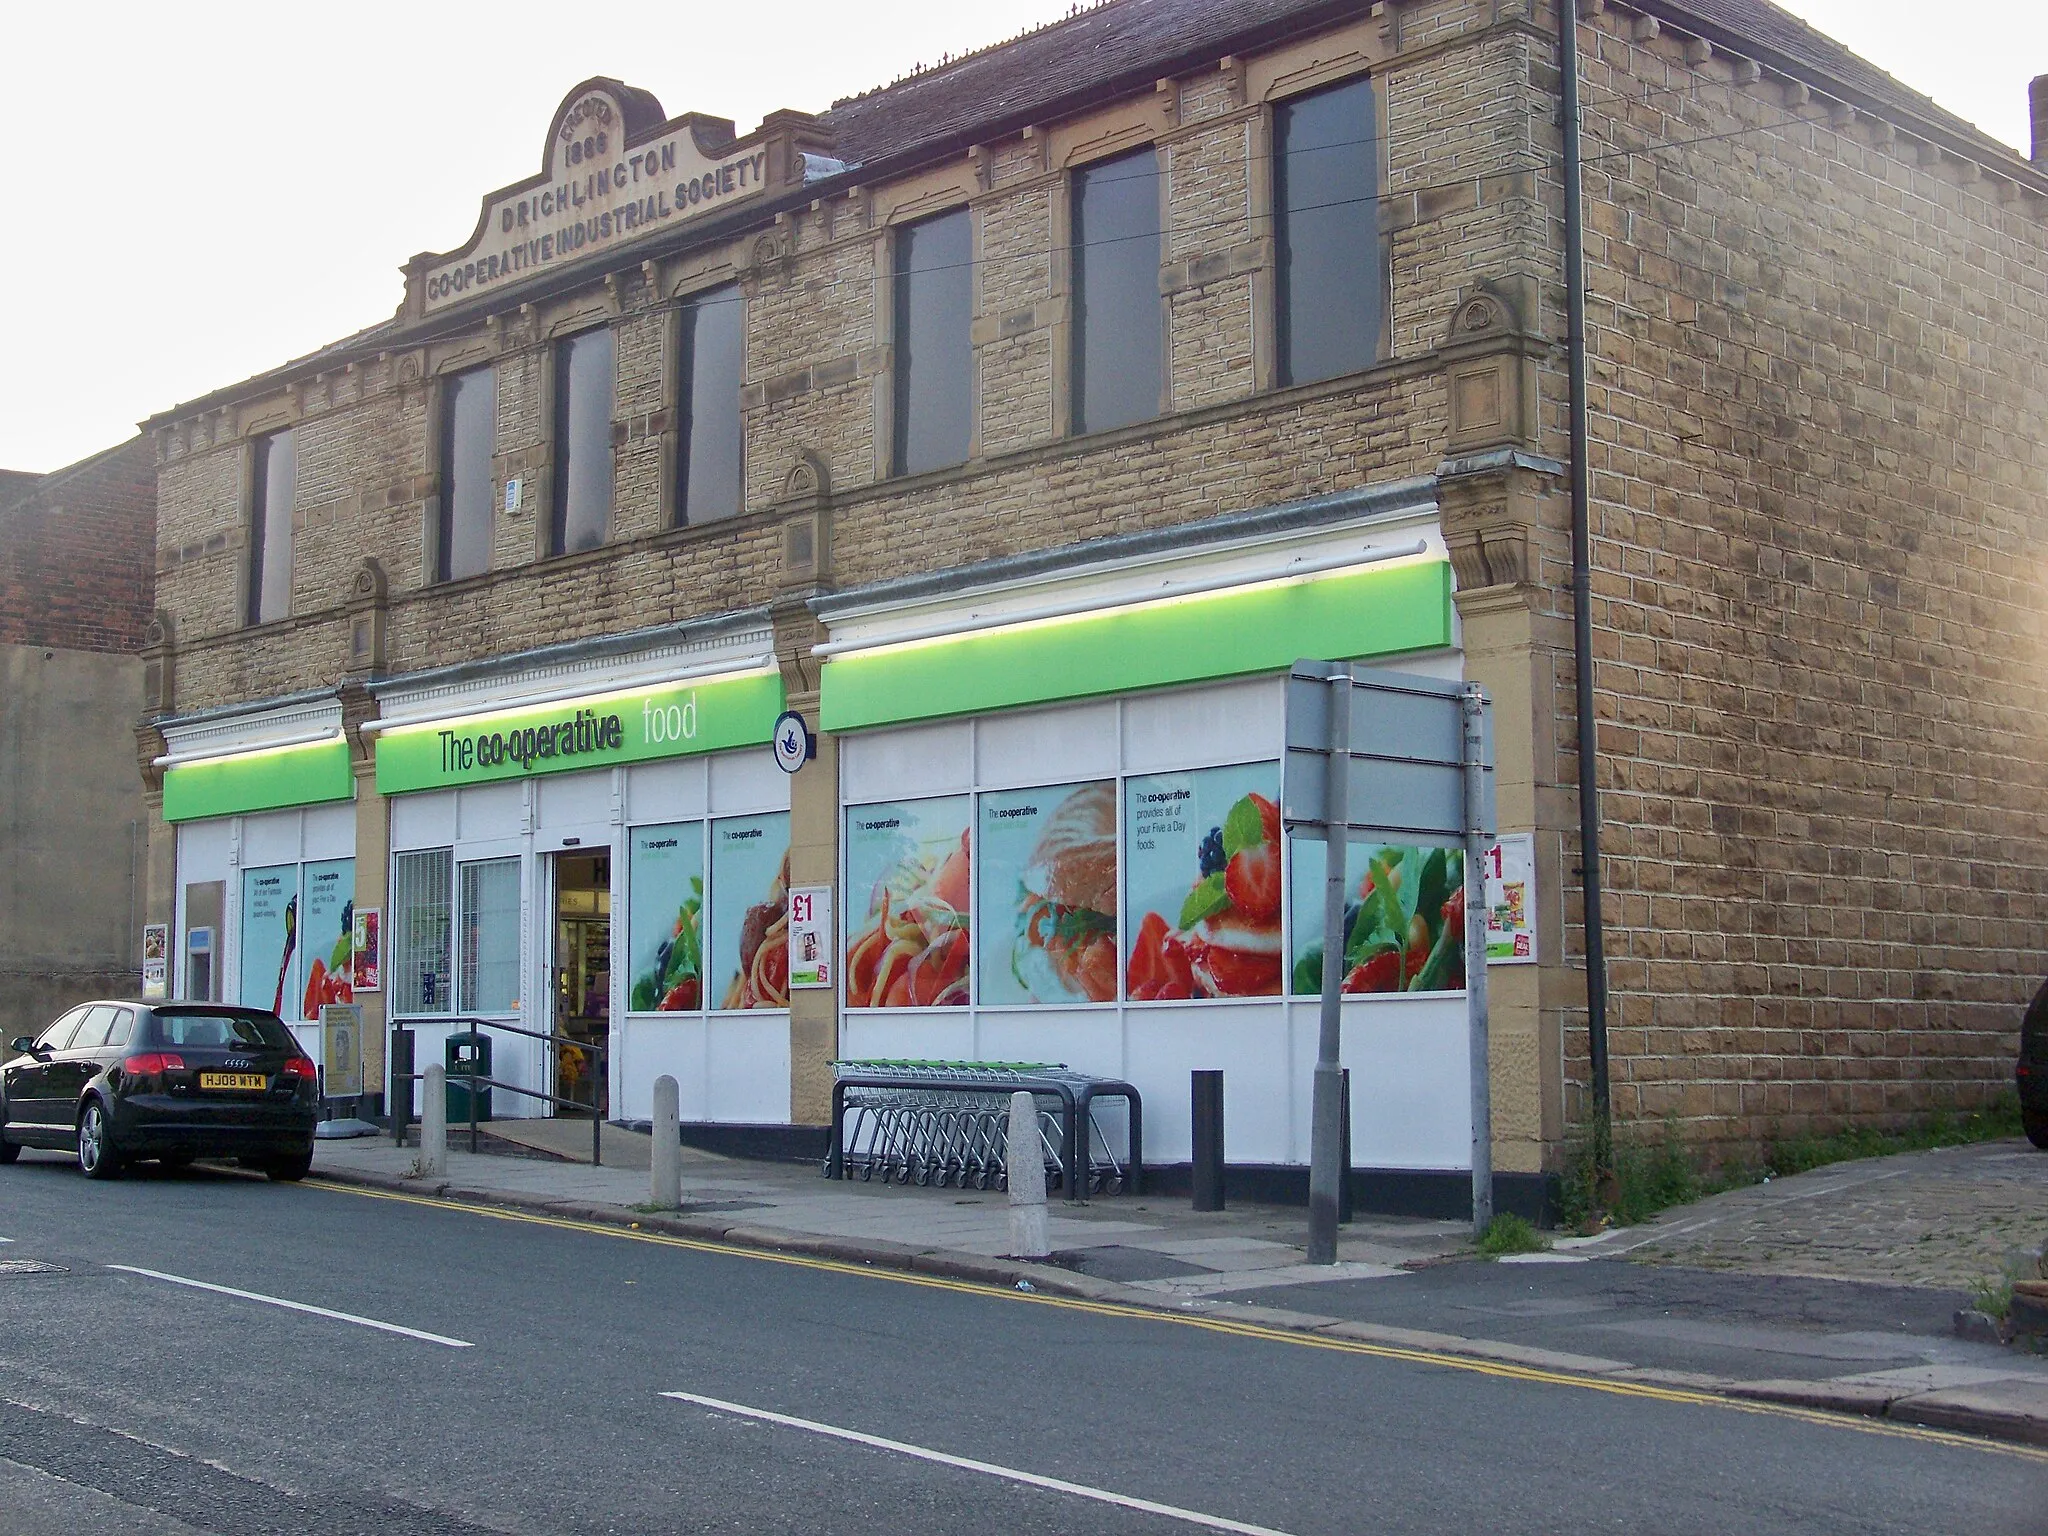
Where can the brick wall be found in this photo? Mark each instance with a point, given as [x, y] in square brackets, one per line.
[1819, 465]
[76, 550]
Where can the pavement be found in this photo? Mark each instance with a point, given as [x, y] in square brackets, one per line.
[1832, 1290]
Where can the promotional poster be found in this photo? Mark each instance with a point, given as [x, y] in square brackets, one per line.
[908, 873]
[665, 941]
[750, 911]
[1048, 882]
[270, 936]
[327, 937]
[1204, 883]
[1404, 918]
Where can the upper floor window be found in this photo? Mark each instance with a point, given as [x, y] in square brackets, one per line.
[1117, 345]
[714, 359]
[469, 429]
[583, 441]
[1331, 278]
[274, 480]
[934, 345]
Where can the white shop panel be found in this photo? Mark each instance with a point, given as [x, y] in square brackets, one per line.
[330, 830]
[670, 791]
[901, 764]
[1199, 727]
[490, 810]
[729, 1069]
[572, 800]
[1411, 1081]
[271, 837]
[203, 851]
[927, 1034]
[514, 1059]
[743, 783]
[1087, 1039]
[1248, 1043]
[423, 821]
[1042, 746]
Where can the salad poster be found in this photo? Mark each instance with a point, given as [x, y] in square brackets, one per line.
[665, 938]
[327, 936]
[750, 911]
[270, 936]
[908, 873]
[1048, 878]
[1204, 883]
[1404, 918]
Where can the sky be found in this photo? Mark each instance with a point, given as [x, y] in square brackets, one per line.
[204, 191]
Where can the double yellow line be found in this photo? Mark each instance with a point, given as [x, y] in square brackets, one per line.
[1502, 1369]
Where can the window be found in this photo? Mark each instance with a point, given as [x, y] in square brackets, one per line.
[1331, 278]
[490, 936]
[58, 1035]
[469, 430]
[418, 975]
[1117, 337]
[583, 442]
[270, 526]
[92, 1034]
[934, 350]
[204, 902]
[713, 362]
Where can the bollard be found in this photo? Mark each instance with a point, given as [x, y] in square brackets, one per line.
[434, 1124]
[1026, 1161]
[1344, 1161]
[1206, 1092]
[401, 1082]
[667, 1176]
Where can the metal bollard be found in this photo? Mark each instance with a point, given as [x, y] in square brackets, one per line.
[401, 1082]
[1206, 1095]
[1344, 1161]
[667, 1175]
[1028, 1239]
[434, 1124]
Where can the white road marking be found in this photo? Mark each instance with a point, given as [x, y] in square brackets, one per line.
[296, 1306]
[1010, 1474]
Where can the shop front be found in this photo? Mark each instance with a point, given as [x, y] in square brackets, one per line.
[1061, 842]
[262, 807]
[595, 850]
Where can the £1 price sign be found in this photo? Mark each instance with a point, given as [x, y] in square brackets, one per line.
[810, 936]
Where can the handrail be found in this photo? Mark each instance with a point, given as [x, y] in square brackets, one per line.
[477, 1080]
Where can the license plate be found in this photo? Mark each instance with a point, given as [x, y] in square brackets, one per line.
[241, 1082]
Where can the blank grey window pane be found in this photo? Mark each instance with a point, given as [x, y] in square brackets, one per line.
[469, 430]
[270, 527]
[934, 350]
[713, 363]
[1326, 224]
[583, 441]
[1116, 292]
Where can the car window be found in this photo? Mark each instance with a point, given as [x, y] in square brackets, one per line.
[54, 1038]
[222, 1030]
[124, 1022]
[92, 1034]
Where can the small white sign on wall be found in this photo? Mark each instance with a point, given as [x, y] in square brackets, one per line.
[1511, 900]
[810, 936]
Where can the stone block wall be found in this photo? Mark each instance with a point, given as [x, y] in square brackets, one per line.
[76, 551]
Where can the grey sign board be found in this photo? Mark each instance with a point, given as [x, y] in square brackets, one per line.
[1407, 774]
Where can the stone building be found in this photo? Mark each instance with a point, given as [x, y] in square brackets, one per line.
[76, 552]
[1017, 424]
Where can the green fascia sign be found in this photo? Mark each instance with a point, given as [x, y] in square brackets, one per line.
[601, 731]
[1379, 611]
[268, 780]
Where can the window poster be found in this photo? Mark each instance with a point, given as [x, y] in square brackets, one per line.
[1048, 879]
[1511, 900]
[1203, 883]
[1404, 918]
[270, 936]
[907, 882]
[328, 937]
[665, 936]
[750, 911]
[366, 951]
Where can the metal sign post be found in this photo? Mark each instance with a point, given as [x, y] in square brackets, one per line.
[1424, 774]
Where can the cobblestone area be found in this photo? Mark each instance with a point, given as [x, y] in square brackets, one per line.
[1941, 1218]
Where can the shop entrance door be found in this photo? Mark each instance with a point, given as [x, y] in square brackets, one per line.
[581, 969]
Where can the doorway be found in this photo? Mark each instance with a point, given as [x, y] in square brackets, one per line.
[582, 972]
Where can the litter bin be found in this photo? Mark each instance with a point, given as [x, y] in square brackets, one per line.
[467, 1055]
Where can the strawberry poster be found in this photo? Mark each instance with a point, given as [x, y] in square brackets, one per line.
[1204, 884]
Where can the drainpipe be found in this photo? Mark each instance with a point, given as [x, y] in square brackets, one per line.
[1582, 581]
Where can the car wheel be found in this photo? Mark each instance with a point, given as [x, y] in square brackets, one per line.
[290, 1170]
[97, 1158]
[2033, 1121]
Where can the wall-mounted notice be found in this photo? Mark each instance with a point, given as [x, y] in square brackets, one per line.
[810, 936]
[1511, 900]
[156, 969]
[366, 950]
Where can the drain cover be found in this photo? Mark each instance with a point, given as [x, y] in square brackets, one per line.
[29, 1267]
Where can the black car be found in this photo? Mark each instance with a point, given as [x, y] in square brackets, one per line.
[2032, 1071]
[121, 1082]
